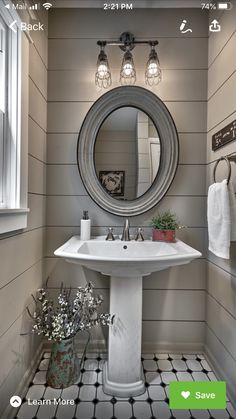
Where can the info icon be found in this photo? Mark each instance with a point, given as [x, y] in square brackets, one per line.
[15, 401]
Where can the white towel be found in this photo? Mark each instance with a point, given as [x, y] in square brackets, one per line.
[232, 203]
[218, 217]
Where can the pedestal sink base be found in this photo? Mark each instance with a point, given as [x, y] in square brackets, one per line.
[123, 375]
[121, 389]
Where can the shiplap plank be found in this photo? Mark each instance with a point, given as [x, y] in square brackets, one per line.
[77, 85]
[186, 53]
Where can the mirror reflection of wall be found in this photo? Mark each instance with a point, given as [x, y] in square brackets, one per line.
[127, 153]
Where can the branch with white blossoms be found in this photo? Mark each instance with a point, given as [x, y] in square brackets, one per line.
[64, 318]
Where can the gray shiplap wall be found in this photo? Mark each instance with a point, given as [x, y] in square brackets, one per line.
[221, 274]
[169, 296]
[21, 253]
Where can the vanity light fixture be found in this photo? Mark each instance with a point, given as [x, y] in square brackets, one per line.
[127, 43]
[103, 74]
[153, 70]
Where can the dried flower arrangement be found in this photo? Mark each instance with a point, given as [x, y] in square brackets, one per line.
[64, 318]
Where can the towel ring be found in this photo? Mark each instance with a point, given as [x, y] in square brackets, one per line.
[229, 168]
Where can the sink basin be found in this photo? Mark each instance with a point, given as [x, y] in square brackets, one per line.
[126, 263]
[127, 259]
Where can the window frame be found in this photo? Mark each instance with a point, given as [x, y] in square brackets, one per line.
[3, 103]
[14, 210]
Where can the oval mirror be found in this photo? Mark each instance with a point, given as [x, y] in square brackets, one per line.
[128, 151]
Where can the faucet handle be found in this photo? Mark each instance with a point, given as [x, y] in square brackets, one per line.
[110, 236]
[139, 236]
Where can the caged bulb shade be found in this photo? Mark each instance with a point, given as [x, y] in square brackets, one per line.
[128, 72]
[103, 74]
[153, 71]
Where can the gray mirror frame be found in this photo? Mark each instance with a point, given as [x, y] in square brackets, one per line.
[149, 103]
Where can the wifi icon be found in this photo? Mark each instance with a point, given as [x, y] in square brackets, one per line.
[47, 5]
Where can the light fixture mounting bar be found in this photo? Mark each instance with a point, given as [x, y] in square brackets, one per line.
[127, 39]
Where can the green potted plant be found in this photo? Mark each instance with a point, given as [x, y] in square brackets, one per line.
[164, 226]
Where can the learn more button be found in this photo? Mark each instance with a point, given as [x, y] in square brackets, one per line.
[197, 395]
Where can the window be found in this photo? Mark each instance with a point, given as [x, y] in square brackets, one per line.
[13, 122]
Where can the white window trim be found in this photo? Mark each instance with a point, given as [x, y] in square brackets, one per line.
[13, 216]
[2, 100]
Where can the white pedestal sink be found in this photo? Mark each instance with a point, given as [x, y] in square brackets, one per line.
[126, 263]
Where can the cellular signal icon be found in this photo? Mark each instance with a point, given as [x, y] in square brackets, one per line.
[47, 6]
[34, 7]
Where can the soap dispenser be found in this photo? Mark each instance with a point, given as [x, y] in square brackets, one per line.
[85, 227]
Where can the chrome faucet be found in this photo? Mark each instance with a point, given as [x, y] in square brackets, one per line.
[125, 235]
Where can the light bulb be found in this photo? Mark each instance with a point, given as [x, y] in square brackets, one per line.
[152, 69]
[102, 70]
[128, 69]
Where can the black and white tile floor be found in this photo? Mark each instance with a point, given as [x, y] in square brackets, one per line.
[92, 403]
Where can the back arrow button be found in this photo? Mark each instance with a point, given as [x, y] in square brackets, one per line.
[11, 26]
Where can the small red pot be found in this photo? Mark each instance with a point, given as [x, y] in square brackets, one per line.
[163, 235]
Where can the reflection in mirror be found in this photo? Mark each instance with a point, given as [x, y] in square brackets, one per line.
[127, 153]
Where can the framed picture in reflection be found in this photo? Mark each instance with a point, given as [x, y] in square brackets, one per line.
[113, 181]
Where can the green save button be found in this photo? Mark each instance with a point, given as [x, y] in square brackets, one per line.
[197, 395]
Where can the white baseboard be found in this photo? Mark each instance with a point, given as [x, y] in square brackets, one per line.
[171, 347]
[22, 388]
[221, 375]
[101, 346]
